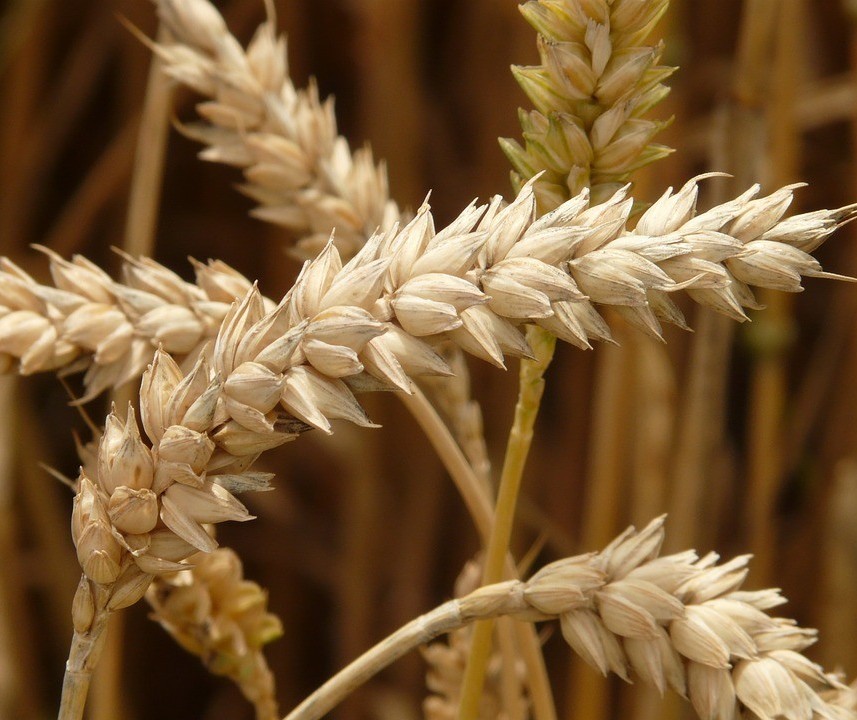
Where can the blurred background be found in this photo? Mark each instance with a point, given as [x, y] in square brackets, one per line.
[746, 435]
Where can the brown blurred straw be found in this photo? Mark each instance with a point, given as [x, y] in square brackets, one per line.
[773, 330]
[839, 621]
[21, 691]
[390, 39]
[146, 180]
[739, 149]
[98, 188]
[61, 102]
[654, 389]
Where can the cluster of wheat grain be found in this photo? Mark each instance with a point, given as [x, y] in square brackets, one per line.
[676, 621]
[492, 268]
[228, 374]
[597, 80]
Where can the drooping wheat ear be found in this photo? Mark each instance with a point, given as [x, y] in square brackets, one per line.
[446, 663]
[492, 269]
[678, 621]
[214, 613]
[299, 170]
[596, 82]
[370, 324]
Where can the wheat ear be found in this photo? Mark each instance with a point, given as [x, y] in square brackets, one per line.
[297, 167]
[678, 621]
[217, 615]
[491, 269]
[596, 81]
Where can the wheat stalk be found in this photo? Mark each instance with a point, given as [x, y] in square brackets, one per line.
[677, 622]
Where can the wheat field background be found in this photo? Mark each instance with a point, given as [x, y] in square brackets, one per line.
[746, 435]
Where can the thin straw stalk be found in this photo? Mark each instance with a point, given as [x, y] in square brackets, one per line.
[146, 179]
[20, 685]
[474, 494]
[530, 388]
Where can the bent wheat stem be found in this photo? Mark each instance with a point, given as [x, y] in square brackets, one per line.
[450, 454]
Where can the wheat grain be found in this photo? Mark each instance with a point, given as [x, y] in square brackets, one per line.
[112, 329]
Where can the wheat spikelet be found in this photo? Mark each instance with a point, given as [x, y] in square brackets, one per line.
[596, 82]
[87, 321]
[677, 622]
[214, 613]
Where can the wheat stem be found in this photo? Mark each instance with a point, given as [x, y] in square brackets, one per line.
[83, 656]
[442, 619]
[479, 507]
[466, 481]
[530, 389]
[149, 160]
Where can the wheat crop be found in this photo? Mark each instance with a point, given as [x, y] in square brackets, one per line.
[389, 300]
